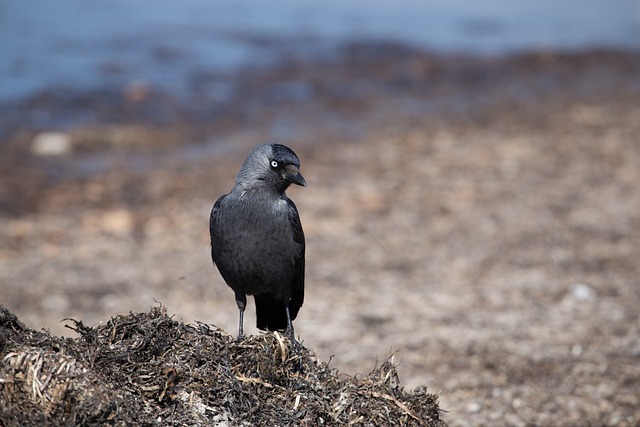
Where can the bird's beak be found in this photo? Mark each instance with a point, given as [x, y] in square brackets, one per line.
[292, 174]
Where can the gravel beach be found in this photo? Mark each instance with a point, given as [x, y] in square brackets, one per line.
[477, 217]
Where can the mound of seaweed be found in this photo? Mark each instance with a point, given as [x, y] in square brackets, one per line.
[148, 368]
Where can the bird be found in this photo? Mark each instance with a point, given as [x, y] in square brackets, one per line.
[257, 241]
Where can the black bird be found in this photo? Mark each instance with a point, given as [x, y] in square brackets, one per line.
[257, 241]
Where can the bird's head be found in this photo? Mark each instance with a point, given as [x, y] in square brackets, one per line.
[271, 166]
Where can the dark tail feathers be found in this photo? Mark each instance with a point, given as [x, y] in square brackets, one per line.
[270, 313]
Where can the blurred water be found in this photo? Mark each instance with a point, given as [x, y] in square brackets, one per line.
[84, 44]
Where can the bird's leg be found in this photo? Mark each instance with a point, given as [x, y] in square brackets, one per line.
[289, 331]
[240, 328]
[241, 301]
[297, 347]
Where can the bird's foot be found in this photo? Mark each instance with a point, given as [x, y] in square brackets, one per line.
[297, 350]
[290, 334]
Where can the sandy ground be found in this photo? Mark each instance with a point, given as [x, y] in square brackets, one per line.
[478, 217]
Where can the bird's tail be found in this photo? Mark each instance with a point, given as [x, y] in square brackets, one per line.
[270, 313]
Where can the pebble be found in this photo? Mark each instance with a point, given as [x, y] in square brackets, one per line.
[582, 292]
[473, 407]
[119, 222]
[576, 350]
[51, 144]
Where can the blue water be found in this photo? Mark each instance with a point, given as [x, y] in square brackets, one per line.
[84, 44]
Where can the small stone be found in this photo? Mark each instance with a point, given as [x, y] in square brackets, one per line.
[473, 407]
[582, 292]
[51, 144]
[119, 222]
[576, 350]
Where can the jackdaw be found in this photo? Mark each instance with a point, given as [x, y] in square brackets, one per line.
[257, 241]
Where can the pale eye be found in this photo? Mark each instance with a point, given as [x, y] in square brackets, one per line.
[274, 164]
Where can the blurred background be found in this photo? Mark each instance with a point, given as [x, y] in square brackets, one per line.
[472, 202]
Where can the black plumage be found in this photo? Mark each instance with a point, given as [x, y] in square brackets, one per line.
[257, 241]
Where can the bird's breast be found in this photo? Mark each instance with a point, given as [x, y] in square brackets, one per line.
[254, 243]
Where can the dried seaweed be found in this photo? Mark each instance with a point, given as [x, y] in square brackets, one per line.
[149, 369]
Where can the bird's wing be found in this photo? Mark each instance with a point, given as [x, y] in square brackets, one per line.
[212, 224]
[297, 284]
